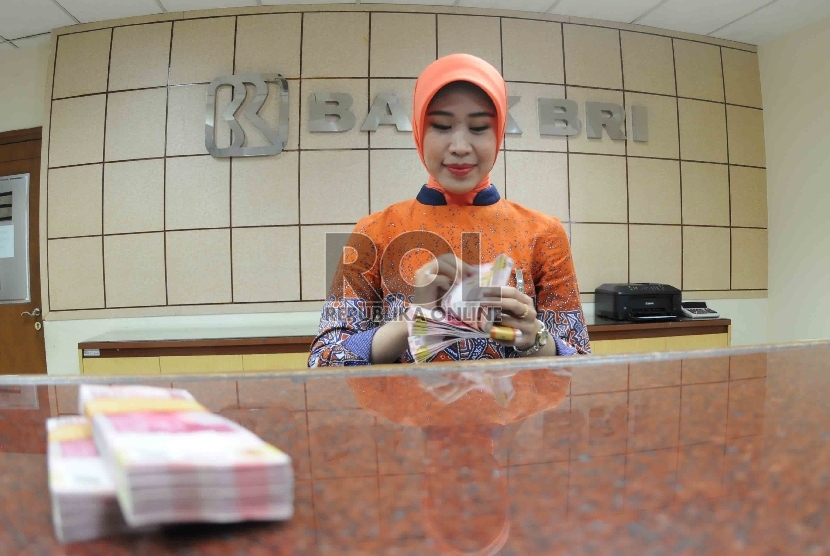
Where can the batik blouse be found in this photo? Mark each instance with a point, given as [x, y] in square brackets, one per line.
[388, 247]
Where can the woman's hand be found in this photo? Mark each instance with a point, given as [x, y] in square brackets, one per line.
[517, 311]
[434, 279]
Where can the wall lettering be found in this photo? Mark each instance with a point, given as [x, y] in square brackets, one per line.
[332, 113]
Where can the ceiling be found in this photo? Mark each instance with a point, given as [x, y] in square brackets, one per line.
[25, 22]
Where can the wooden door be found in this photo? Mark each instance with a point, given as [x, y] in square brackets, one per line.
[21, 343]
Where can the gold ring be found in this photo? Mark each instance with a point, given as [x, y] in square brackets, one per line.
[527, 310]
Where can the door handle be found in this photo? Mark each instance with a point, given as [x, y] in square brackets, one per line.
[34, 313]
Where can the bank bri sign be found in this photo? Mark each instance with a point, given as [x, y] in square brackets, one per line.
[331, 113]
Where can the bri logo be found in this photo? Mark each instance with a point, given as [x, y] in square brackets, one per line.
[277, 139]
[332, 113]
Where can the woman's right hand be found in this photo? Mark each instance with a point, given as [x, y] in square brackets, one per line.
[434, 279]
[432, 282]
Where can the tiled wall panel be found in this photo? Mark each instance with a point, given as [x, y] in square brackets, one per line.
[139, 216]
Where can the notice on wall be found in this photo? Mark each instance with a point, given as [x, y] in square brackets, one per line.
[6, 242]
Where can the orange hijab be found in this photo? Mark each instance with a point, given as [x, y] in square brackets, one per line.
[442, 72]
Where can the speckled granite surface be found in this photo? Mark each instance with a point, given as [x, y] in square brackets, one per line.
[716, 455]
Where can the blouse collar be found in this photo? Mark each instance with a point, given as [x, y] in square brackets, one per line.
[433, 197]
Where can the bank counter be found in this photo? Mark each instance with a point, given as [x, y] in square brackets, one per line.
[706, 452]
[217, 350]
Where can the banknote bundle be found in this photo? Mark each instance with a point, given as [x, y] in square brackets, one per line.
[140, 457]
[84, 502]
[460, 315]
[174, 461]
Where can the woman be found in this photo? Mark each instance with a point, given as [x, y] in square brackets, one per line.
[412, 252]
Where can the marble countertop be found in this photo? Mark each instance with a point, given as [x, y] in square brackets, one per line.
[716, 453]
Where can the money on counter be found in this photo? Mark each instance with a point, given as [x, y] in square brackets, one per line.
[173, 461]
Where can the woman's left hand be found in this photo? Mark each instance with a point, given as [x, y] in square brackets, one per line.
[517, 311]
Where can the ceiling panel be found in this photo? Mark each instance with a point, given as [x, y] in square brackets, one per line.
[749, 21]
[99, 10]
[699, 16]
[32, 41]
[22, 18]
[417, 2]
[612, 10]
[283, 2]
[185, 5]
[779, 18]
[519, 5]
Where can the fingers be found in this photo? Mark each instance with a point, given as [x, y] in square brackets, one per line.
[521, 310]
[522, 318]
[527, 328]
[441, 283]
[432, 290]
[427, 274]
[508, 292]
[443, 272]
[450, 261]
[434, 280]
[525, 325]
[446, 265]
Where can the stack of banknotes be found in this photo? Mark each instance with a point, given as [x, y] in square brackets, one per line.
[84, 503]
[460, 315]
[164, 458]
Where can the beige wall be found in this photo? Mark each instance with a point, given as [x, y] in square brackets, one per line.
[23, 86]
[795, 77]
[141, 221]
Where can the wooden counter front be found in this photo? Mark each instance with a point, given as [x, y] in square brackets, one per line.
[613, 337]
[207, 346]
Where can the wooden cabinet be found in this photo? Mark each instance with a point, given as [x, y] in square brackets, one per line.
[129, 356]
[610, 338]
[671, 343]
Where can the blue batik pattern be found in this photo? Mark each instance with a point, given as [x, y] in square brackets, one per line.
[568, 330]
[347, 329]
